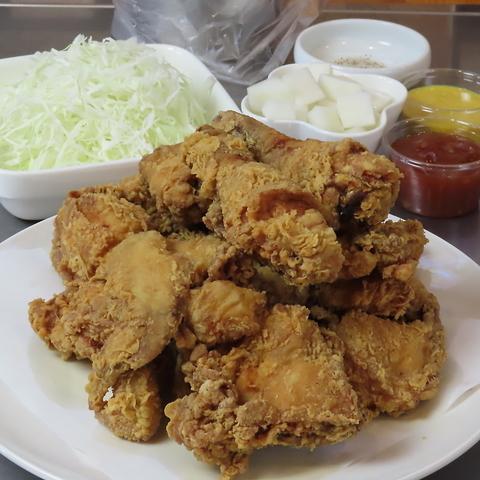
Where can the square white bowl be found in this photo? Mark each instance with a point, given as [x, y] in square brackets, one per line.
[33, 195]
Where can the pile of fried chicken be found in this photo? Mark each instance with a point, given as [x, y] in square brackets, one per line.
[246, 285]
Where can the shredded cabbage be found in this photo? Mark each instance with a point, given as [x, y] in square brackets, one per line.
[96, 102]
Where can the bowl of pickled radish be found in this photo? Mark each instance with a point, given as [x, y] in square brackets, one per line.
[315, 101]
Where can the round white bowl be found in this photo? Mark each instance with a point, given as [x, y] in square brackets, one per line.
[370, 139]
[401, 49]
[33, 195]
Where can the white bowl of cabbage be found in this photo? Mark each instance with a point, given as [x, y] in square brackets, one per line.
[315, 101]
[87, 114]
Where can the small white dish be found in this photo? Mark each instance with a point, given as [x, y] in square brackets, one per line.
[33, 195]
[370, 139]
[399, 49]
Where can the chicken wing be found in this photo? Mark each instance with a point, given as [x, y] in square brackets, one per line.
[353, 185]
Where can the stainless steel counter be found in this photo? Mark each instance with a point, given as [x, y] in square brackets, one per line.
[453, 34]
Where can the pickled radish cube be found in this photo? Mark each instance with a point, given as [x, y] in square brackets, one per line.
[301, 111]
[279, 110]
[326, 102]
[356, 110]
[303, 86]
[325, 118]
[317, 69]
[336, 87]
[380, 100]
[270, 89]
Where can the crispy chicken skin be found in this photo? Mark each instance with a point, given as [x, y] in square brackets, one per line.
[388, 293]
[93, 220]
[211, 257]
[172, 185]
[220, 312]
[265, 215]
[277, 290]
[124, 316]
[251, 205]
[393, 365]
[148, 285]
[89, 224]
[353, 185]
[284, 386]
[385, 244]
[133, 410]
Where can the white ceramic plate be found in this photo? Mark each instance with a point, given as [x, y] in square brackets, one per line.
[46, 428]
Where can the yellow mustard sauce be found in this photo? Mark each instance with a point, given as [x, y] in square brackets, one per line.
[444, 100]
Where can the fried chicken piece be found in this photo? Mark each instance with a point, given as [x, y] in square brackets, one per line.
[268, 216]
[284, 386]
[201, 250]
[89, 224]
[353, 185]
[172, 184]
[123, 317]
[389, 293]
[211, 257]
[385, 244]
[393, 365]
[260, 212]
[132, 407]
[220, 312]
[265, 279]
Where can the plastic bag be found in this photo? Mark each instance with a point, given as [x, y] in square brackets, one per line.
[241, 41]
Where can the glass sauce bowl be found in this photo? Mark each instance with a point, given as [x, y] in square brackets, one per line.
[443, 93]
[433, 189]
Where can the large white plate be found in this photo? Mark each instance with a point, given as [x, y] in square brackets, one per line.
[46, 428]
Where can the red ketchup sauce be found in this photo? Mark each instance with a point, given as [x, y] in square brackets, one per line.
[447, 182]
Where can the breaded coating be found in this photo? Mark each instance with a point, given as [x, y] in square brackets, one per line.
[71, 323]
[267, 280]
[172, 185]
[388, 294]
[271, 217]
[393, 365]
[201, 251]
[88, 225]
[249, 204]
[385, 244]
[123, 317]
[353, 185]
[284, 386]
[148, 285]
[133, 407]
[211, 257]
[220, 312]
